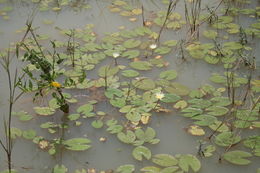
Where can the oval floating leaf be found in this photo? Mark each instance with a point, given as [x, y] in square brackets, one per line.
[140, 152]
[77, 144]
[164, 160]
[141, 65]
[168, 75]
[189, 161]
[237, 157]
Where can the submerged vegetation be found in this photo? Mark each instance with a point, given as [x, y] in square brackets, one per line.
[128, 79]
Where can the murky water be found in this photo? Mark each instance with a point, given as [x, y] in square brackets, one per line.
[170, 127]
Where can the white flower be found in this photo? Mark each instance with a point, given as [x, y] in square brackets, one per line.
[153, 46]
[116, 54]
[159, 95]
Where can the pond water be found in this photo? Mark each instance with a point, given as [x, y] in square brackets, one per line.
[174, 79]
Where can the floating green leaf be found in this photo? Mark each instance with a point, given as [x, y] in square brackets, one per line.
[106, 71]
[210, 34]
[131, 43]
[130, 73]
[23, 116]
[126, 168]
[60, 169]
[144, 84]
[97, 124]
[29, 134]
[162, 50]
[217, 110]
[77, 144]
[204, 120]
[168, 75]
[15, 132]
[164, 160]
[151, 169]
[140, 152]
[237, 157]
[189, 161]
[170, 98]
[45, 111]
[73, 117]
[141, 65]
[226, 139]
[131, 54]
[128, 137]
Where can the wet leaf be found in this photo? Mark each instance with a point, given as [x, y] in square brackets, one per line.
[252, 142]
[144, 84]
[181, 104]
[128, 137]
[60, 169]
[126, 168]
[170, 98]
[131, 43]
[77, 144]
[195, 130]
[221, 101]
[29, 134]
[164, 160]
[141, 65]
[150, 169]
[237, 157]
[177, 88]
[131, 54]
[219, 126]
[45, 111]
[217, 110]
[107, 71]
[133, 116]
[199, 103]
[162, 50]
[170, 43]
[73, 117]
[189, 161]
[204, 120]
[140, 152]
[15, 132]
[168, 75]
[118, 102]
[171, 169]
[210, 34]
[190, 112]
[23, 116]
[225, 139]
[97, 124]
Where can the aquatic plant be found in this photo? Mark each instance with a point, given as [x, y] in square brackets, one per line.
[14, 81]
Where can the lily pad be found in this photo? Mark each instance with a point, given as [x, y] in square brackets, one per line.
[128, 137]
[45, 111]
[107, 71]
[60, 169]
[131, 43]
[164, 160]
[77, 144]
[140, 152]
[29, 134]
[217, 110]
[130, 73]
[97, 124]
[170, 98]
[237, 157]
[189, 161]
[225, 139]
[141, 65]
[168, 75]
[126, 168]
